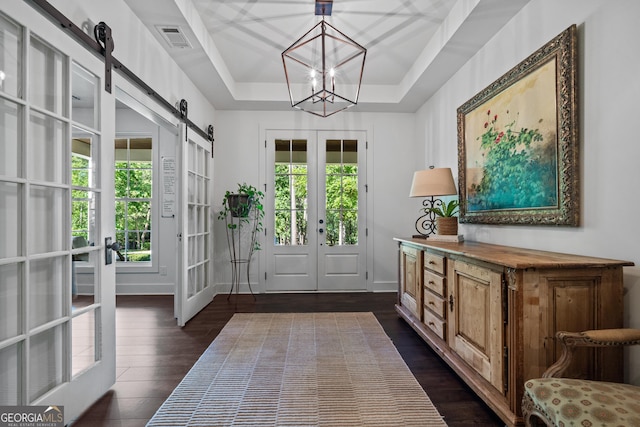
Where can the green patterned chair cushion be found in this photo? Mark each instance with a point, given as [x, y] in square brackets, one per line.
[570, 402]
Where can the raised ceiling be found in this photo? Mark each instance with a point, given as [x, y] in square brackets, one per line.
[414, 46]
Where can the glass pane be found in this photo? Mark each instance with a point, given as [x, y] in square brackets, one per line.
[83, 218]
[192, 251]
[121, 180]
[10, 358]
[192, 166]
[47, 214]
[191, 187]
[10, 58]
[11, 142]
[84, 159]
[83, 342]
[47, 281]
[282, 235]
[200, 190]
[46, 361]
[341, 199]
[47, 78]
[84, 284]
[290, 192]
[47, 149]
[191, 224]
[191, 281]
[84, 96]
[10, 300]
[10, 219]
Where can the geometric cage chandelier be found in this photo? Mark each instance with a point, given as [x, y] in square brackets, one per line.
[323, 68]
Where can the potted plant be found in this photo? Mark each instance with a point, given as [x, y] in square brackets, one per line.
[239, 203]
[246, 203]
[447, 222]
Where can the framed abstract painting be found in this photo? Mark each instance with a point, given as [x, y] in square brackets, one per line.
[518, 142]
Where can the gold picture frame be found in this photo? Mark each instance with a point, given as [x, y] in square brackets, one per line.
[518, 142]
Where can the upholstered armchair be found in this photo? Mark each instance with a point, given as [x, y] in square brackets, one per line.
[559, 401]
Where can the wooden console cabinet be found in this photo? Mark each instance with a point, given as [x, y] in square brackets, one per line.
[491, 312]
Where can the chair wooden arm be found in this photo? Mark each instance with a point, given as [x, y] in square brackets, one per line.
[595, 338]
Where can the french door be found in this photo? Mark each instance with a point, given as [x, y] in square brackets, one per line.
[195, 280]
[57, 346]
[315, 210]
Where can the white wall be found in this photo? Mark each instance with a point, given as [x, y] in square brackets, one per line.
[240, 139]
[609, 89]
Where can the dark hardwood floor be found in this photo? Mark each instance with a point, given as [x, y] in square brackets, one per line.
[153, 354]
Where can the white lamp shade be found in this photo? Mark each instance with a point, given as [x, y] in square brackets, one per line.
[433, 182]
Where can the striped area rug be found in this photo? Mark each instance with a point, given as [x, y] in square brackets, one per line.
[299, 369]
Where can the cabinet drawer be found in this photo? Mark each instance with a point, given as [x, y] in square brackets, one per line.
[435, 303]
[434, 282]
[434, 323]
[434, 262]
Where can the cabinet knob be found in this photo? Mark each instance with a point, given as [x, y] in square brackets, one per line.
[431, 303]
[432, 324]
[451, 302]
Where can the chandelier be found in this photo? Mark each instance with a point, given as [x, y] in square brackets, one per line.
[324, 68]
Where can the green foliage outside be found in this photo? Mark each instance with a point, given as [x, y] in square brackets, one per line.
[80, 205]
[519, 169]
[341, 222]
[133, 185]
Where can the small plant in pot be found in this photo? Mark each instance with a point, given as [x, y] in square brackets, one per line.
[246, 204]
[447, 222]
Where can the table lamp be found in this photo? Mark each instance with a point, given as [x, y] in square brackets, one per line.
[430, 183]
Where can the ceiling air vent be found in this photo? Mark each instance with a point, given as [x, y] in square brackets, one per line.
[174, 36]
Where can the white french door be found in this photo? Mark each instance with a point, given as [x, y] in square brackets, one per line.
[195, 280]
[315, 210]
[341, 207]
[57, 346]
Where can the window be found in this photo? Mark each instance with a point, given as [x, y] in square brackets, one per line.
[342, 192]
[133, 186]
[291, 192]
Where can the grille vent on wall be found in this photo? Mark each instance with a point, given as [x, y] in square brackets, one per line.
[174, 36]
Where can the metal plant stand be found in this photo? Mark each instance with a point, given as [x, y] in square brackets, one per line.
[241, 228]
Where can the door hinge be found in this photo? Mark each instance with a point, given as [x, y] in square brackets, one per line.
[366, 232]
[366, 145]
[366, 275]
[265, 143]
[366, 188]
[265, 275]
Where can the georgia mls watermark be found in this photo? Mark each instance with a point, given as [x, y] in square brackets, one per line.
[31, 416]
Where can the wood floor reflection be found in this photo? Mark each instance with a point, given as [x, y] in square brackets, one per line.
[153, 354]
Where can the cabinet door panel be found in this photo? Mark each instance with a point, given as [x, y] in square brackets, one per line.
[411, 267]
[476, 326]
